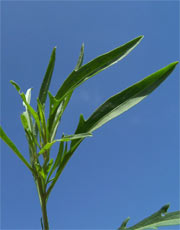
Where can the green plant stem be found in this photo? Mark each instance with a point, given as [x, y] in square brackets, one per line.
[42, 198]
[44, 212]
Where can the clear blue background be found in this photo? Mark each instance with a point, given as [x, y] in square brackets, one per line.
[131, 165]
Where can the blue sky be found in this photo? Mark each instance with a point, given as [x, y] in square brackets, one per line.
[130, 167]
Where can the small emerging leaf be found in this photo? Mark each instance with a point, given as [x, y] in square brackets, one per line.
[64, 139]
[81, 57]
[58, 160]
[29, 108]
[55, 116]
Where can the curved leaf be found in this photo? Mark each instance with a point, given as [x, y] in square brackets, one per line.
[78, 76]
[29, 108]
[124, 100]
[6, 139]
[95, 66]
[81, 57]
[158, 219]
[64, 139]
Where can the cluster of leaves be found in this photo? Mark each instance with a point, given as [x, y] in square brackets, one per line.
[41, 133]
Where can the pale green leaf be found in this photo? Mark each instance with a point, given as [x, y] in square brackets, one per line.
[81, 57]
[158, 219]
[64, 139]
[29, 108]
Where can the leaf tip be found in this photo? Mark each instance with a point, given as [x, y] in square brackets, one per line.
[173, 65]
[15, 85]
[139, 38]
[164, 209]
[124, 224]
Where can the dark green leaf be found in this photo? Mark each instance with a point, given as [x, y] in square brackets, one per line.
[6, 139]
[78, 76]
[158, 219]
[124, 100]
[47, 78]
[95, 66]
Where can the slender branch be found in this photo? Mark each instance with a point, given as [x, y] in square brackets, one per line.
[42, 198]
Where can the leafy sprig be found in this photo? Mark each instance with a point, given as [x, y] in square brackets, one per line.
[41, 132]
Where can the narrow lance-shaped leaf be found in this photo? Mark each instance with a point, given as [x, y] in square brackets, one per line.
[124, 100]
[54, 123]
[90, 69]
[6, 139]
[95, 66]
[81, 57]
[30, 109]
[66, 156]
[27, 114]
[64, 139]
[58, 159]
[46, 82]
[57, 107]
[158, 219]
[42, 120]
[47, 78]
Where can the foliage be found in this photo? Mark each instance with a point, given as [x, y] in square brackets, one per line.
[41, 132]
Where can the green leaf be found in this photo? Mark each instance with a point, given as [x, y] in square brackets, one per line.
[78, 76]
[46, 82]
[24, 121]
[64, 139]
[6, 139]
[27, 114]
[58, 160]
[57, 107]
[76, 136]
[124, 100]
[66, 157]
[28, 107]
[112, 108]
[49, 166]
[54, 118]
[81, 57]
[158, 219]
[47, 78]
[95, 66]
[42, 120]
